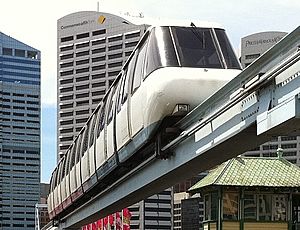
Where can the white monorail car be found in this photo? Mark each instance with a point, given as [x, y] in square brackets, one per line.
[171, 66]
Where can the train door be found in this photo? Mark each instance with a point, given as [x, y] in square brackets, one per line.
[122, 123]
[138, 95]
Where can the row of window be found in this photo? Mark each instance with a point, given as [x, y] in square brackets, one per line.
[83, 35]
[19, 53]
[97, 33]
[92, 68]
[94, 59]
[98, 50]
[261, 207]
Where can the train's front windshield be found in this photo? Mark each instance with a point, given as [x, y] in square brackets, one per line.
[204, 48]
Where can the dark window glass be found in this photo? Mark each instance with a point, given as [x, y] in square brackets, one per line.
[84, 35]
[115, 64]
[85, 139]
[67, 64]
[82, 53]
[98, 84]
[92, 130]
[110, 110]
[66, 81]
[101, 116]
[115, 47]
[84, 78]
[113, 56]
[82, 95]
[7, 51]
[97, 59]
[196, 47]
[227, 51]
[66, 73]
[82, 62]
[98, 67]
[83, 70]
[98, 42]
[66, 39]
[99, 32]
[66, 56]
[81, 87]
[97, 76]
[81, 45]
[78, 148]
[99, 50]
[19, 53]
[67, 89]
[139, 67]
[152, 61]
[132, 35]
[116, 38]
[131, 44]
[113, 73]
[66, 48]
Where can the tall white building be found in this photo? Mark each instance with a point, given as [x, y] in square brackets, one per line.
[91, 49]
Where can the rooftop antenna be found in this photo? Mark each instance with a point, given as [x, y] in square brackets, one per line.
[98, 6]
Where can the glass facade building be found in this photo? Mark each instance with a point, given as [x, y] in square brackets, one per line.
[19, 133]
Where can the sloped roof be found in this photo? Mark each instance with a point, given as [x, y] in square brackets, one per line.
[252, 171]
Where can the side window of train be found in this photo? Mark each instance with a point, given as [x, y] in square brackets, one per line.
[63, 165]
[101, 116]
[78, 148]
[85, 138]
[139, 67]
[92, 130]
[72, 155]
[110, 110]
[123, 92]
[67, 164]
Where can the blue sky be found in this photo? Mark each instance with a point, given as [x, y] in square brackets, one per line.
[34, 22]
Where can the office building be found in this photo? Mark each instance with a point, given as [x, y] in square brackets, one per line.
[254, 45]
[19, 133]
[92, 47]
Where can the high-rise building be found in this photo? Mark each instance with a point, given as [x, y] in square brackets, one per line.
[91, 48]
[254, 45]
[19, 133]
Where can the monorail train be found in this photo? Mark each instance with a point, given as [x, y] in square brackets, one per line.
[171, 67]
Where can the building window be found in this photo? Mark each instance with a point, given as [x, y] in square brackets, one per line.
[115, 47]
[211, 206]
[250, 207]
[84, 35]
[100, 50]
[132, 35]
[32, 54]
[265, 207]
[230, 206]
[19, 53]
[66, 39]
[7, 51]
[99, 32]
[66, 48]
[115, 38]
[82, 45]
[82, 53]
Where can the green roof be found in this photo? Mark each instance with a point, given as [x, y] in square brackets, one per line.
[252, 171]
